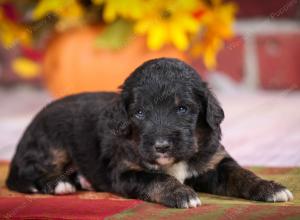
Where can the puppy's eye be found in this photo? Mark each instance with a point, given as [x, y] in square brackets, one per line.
[139, 114]
[181, 109]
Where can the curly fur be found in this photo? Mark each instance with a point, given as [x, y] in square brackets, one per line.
[157, 140]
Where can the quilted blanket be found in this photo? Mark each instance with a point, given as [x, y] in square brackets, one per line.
[92, 205]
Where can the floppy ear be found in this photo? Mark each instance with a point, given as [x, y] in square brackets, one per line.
[213, 112]
[117, 118]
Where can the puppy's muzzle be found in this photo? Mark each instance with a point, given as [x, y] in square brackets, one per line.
[162, 146]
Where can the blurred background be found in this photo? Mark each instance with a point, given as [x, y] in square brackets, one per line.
[248, 50]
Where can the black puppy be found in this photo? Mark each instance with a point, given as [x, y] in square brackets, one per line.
[158, 140]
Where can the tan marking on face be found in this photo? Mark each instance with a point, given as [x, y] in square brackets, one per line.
[195, 144]
[131, 165]
[177, 101]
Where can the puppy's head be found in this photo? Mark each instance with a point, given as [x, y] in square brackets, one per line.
[171, 111]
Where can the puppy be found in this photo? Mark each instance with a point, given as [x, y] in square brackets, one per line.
[157, 140]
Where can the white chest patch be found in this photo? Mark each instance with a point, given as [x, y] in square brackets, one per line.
[180, 171]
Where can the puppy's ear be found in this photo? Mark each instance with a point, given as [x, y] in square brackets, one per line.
[117, 118]
[213, 111]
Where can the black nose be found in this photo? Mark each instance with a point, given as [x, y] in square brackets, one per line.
[162, 146]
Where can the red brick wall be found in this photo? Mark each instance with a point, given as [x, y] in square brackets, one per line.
[266, 52]
[279, 60]
[265, 8]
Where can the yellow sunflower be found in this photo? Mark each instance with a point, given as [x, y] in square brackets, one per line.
[69, 12]
[128, 9]
[218, 26]
[168, 22]
[12, 33]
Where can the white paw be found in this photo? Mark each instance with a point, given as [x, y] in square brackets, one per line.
[64, 188]
[84, 183]
[192, 203]
[33, 190]
[281, 196]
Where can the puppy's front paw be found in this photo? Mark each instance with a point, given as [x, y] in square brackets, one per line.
[283, 195]
[270, 191]
[64, 188]
[181, 197]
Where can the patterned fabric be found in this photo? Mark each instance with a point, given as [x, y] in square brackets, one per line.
[92, 205]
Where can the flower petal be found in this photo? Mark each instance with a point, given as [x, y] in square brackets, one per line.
[157, 36]
[25, 68]
[179, 38]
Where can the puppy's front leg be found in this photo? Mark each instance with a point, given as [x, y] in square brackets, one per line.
[230, 179]
[156, 187]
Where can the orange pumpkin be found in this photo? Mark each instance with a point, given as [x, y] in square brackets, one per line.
[72, 63]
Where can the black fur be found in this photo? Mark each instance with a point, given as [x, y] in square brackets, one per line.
[127, 143]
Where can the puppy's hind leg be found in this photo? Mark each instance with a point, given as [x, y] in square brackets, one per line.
[61, 177]
[16, 181]
[28, 165]
[41, 169]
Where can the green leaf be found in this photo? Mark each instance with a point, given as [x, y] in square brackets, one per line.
[115, 36]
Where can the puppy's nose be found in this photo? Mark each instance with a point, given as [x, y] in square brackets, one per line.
[162, 146]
